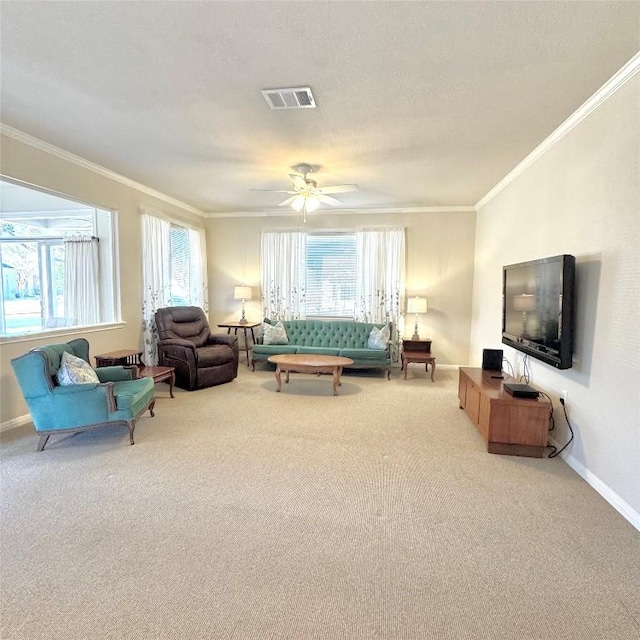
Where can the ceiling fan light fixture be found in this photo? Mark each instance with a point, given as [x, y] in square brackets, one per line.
[298, 203]
[312, 204]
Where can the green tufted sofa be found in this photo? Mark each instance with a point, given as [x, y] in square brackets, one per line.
[331, 338]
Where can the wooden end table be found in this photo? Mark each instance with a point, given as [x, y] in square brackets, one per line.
[120, 357]
[244, 326]
[159, 374]
[417, 351]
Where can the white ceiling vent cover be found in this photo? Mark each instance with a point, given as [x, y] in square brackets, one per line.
[294, 98]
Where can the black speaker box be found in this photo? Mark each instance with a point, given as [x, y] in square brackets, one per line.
[492, 359]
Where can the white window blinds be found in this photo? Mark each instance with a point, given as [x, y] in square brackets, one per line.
[331, 260]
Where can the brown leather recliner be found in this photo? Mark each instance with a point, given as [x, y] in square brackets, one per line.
[200, 358]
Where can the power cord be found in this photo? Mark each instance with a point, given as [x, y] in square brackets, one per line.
[555, 451]
[552, 421]
[513, 375]
[526, 376]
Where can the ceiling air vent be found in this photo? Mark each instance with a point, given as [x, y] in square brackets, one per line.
[295, 98]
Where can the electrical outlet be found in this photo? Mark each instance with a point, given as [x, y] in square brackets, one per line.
[564, 394]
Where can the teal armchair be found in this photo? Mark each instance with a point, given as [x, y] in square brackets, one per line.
[119, 399]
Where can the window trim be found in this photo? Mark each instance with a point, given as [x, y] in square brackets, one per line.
[113, 275]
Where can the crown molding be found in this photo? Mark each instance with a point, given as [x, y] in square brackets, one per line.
[290, 213]
[601, 95]
[51, 149]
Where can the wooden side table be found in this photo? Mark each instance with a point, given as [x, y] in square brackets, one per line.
[159, 374]
[247, 326]
[418, 351]
[123, 357]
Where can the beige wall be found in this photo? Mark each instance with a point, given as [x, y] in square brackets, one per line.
[29, 164]
[581, 197]
[439, 250]
[439, 260]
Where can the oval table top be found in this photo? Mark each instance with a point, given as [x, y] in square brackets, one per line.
[309, 360]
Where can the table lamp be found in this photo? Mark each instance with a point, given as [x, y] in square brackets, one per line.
[242, 293]
[416, 305]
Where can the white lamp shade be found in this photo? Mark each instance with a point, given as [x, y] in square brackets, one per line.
[417, 305]
[298, 203]
[524, 302]
[242, 293]
[312, 204]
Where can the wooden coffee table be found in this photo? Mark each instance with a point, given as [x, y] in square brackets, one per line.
[159, 374]
[306, 363]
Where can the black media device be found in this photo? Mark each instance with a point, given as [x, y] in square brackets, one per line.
[538, 308]
[520, 390]
[492, 359]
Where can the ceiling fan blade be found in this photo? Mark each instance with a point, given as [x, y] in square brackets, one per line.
[284, 203]
[275, 190]
[327, 199]
[298, 181]
[339, 188]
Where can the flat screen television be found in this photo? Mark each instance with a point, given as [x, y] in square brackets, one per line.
[538, 308]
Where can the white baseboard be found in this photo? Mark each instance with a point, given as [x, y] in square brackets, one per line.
[622, 507]
[15, 422]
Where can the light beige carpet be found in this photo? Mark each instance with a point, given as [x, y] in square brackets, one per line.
[241, 513]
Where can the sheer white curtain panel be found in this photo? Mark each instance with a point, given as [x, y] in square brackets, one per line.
[380, 275]
[283, 275]
[81, 275]
[198, 282]
[156, 279]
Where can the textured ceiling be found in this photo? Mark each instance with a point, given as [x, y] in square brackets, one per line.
[420, 103]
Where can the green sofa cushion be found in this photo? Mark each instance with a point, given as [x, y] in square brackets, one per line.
[133, 395]
[320, 351]
[266, 350]
[375, 355]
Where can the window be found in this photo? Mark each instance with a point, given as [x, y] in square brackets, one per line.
[36, 228]
[331, 274]
[180, 266]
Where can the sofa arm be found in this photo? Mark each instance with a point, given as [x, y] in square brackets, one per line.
[115, 373]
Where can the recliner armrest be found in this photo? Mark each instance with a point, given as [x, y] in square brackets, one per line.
[222, 338]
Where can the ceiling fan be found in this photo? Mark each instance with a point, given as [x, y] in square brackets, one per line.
[306, 195]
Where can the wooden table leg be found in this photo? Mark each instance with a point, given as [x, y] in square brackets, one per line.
[433, 369]
[278, 378]
[172, 381]
[246, 343]
[336, 380]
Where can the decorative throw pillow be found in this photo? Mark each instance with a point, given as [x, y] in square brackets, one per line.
[74, 370]
[274, 334]
[378, 338]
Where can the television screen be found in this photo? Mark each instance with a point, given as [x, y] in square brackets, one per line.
[538, 308]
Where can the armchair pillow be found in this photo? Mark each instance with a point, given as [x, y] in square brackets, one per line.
[74, 370]
[379, 338]
[274, 334]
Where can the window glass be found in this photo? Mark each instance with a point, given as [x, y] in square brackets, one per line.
[331, 275]
[34, 226]
[180, 266]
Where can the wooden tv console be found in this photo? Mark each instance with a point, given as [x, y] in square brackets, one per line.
[512, 426]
